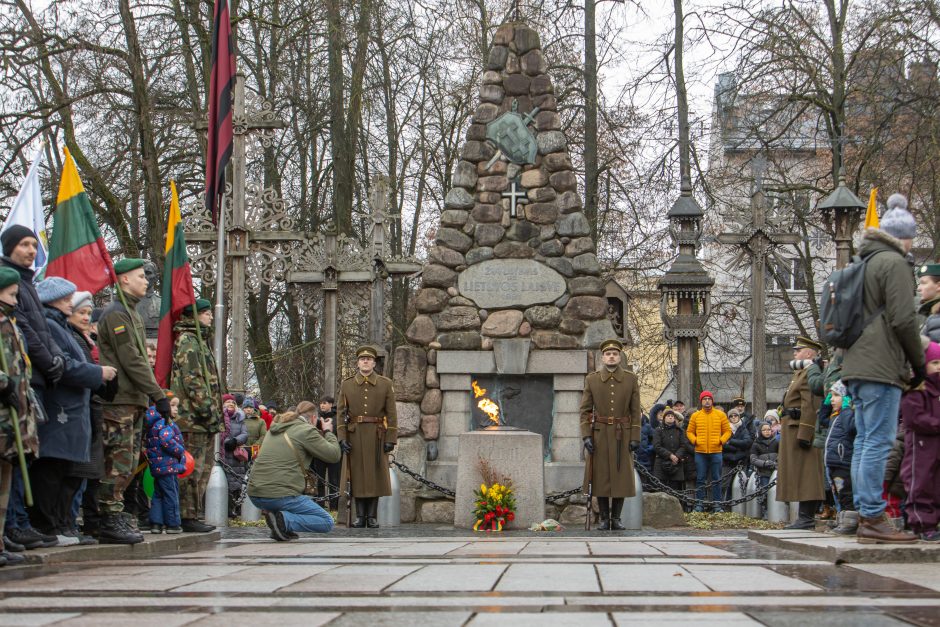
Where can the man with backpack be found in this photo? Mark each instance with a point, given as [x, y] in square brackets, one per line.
[877, 365]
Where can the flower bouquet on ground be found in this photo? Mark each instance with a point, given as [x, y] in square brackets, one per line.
[495, 504]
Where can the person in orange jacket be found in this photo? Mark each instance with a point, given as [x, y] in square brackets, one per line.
[708, 430]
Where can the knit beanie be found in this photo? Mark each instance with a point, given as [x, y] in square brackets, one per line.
[82, 299]
[13, 236]
[839, 389]
[228, 397]
[933, 352]
[897, 221]
[54, 288]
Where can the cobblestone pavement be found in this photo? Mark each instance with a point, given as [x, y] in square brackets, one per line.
[425, 575]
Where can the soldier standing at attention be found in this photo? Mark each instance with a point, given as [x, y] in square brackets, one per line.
[610, 419]
[367, 431]
[200, 411]
[800, 464]
[121, 344]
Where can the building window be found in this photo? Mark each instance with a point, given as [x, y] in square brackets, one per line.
[789, 273]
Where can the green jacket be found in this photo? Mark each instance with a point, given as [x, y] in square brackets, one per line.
[200, 400]
[19, 370]
[276, 472]
[892, 340]
[821, 381]
[118, 344]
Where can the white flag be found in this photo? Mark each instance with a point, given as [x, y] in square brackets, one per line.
[27, 211]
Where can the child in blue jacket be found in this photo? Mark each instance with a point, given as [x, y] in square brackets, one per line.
[840, 443]
[167, 458]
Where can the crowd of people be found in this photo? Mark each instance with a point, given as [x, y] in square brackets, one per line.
[856, 438]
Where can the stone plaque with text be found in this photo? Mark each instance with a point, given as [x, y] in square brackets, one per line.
[500, 283]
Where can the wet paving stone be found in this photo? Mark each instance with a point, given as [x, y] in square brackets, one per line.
[424, 575]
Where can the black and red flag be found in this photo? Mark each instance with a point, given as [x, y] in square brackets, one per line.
[221, 84]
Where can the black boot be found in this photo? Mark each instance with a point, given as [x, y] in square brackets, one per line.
[807, 518]
[616, 506]
[372, 521]
[361, 510]
[113, 530]
[604, 506]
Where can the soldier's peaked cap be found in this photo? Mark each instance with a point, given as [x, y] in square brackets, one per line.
[611, 344]
[738, 400]
[367, 351]
[805, 342]
[128, 264]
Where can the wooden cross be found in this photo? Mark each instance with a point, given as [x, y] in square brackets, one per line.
[517, 196]
[239, 235]
[757, 241]
[340, 260]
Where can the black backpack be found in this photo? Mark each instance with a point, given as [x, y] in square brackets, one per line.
[842, 304]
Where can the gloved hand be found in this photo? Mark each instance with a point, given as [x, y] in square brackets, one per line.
[589, 445]
[230, 444]
[9, 396]
[57, 369]
[163, 408]
[388, 447]
[345, 446]
[805, 444]
[920, 375]
[634, 445]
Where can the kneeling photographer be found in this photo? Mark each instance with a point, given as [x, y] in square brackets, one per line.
[280, 481]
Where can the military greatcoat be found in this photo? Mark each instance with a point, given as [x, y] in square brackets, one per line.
[799, 470]
[610, 414]
[367, 420]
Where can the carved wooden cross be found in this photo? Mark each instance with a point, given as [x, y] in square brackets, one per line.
[340, 260]
[241, 239]
[757, 241]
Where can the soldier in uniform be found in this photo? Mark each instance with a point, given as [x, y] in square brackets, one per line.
[610, 429]
[799, 463]
[194, 380]
[121, 344]
[14, 394]
[367, 431]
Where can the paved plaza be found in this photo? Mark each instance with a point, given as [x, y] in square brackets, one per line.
[425, 575]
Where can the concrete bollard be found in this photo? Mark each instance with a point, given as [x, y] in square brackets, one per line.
[738, 485]
[249, 512]
[752, 507]
[794, 511]
[389, 514]
[217, 498]
[632, 514]
[777, 511]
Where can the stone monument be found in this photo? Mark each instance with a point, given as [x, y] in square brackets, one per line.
[512, 287]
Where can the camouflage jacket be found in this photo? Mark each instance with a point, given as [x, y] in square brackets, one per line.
[17, 367]
[200, 400]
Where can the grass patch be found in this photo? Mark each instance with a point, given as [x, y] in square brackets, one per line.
[728, 520]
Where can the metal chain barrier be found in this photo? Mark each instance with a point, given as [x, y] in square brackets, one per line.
[660, 486]
[423, 480]
[243, 493]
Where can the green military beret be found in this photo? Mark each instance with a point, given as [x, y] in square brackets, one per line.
[611, 344]
[201, 305]
[8, 276]
[805, 342]
[128, 264]
[929, 269]
[366, 351]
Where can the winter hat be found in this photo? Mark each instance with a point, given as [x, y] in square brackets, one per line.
[81, 299]
[838, 388]
[13, 236]
[54, 288]
[933, 352]
[897, 221]
[227, 397]
[771, 414]
[250, 402]
[702, 396]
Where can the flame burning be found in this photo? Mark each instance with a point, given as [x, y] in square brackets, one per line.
[486, 405]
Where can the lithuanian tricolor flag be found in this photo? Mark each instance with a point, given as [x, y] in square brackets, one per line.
[177, 289]
[76, 249]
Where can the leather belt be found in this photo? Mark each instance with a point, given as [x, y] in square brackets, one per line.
[367, 419]
[610, 420]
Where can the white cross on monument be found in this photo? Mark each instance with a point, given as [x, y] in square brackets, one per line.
[517, 196]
